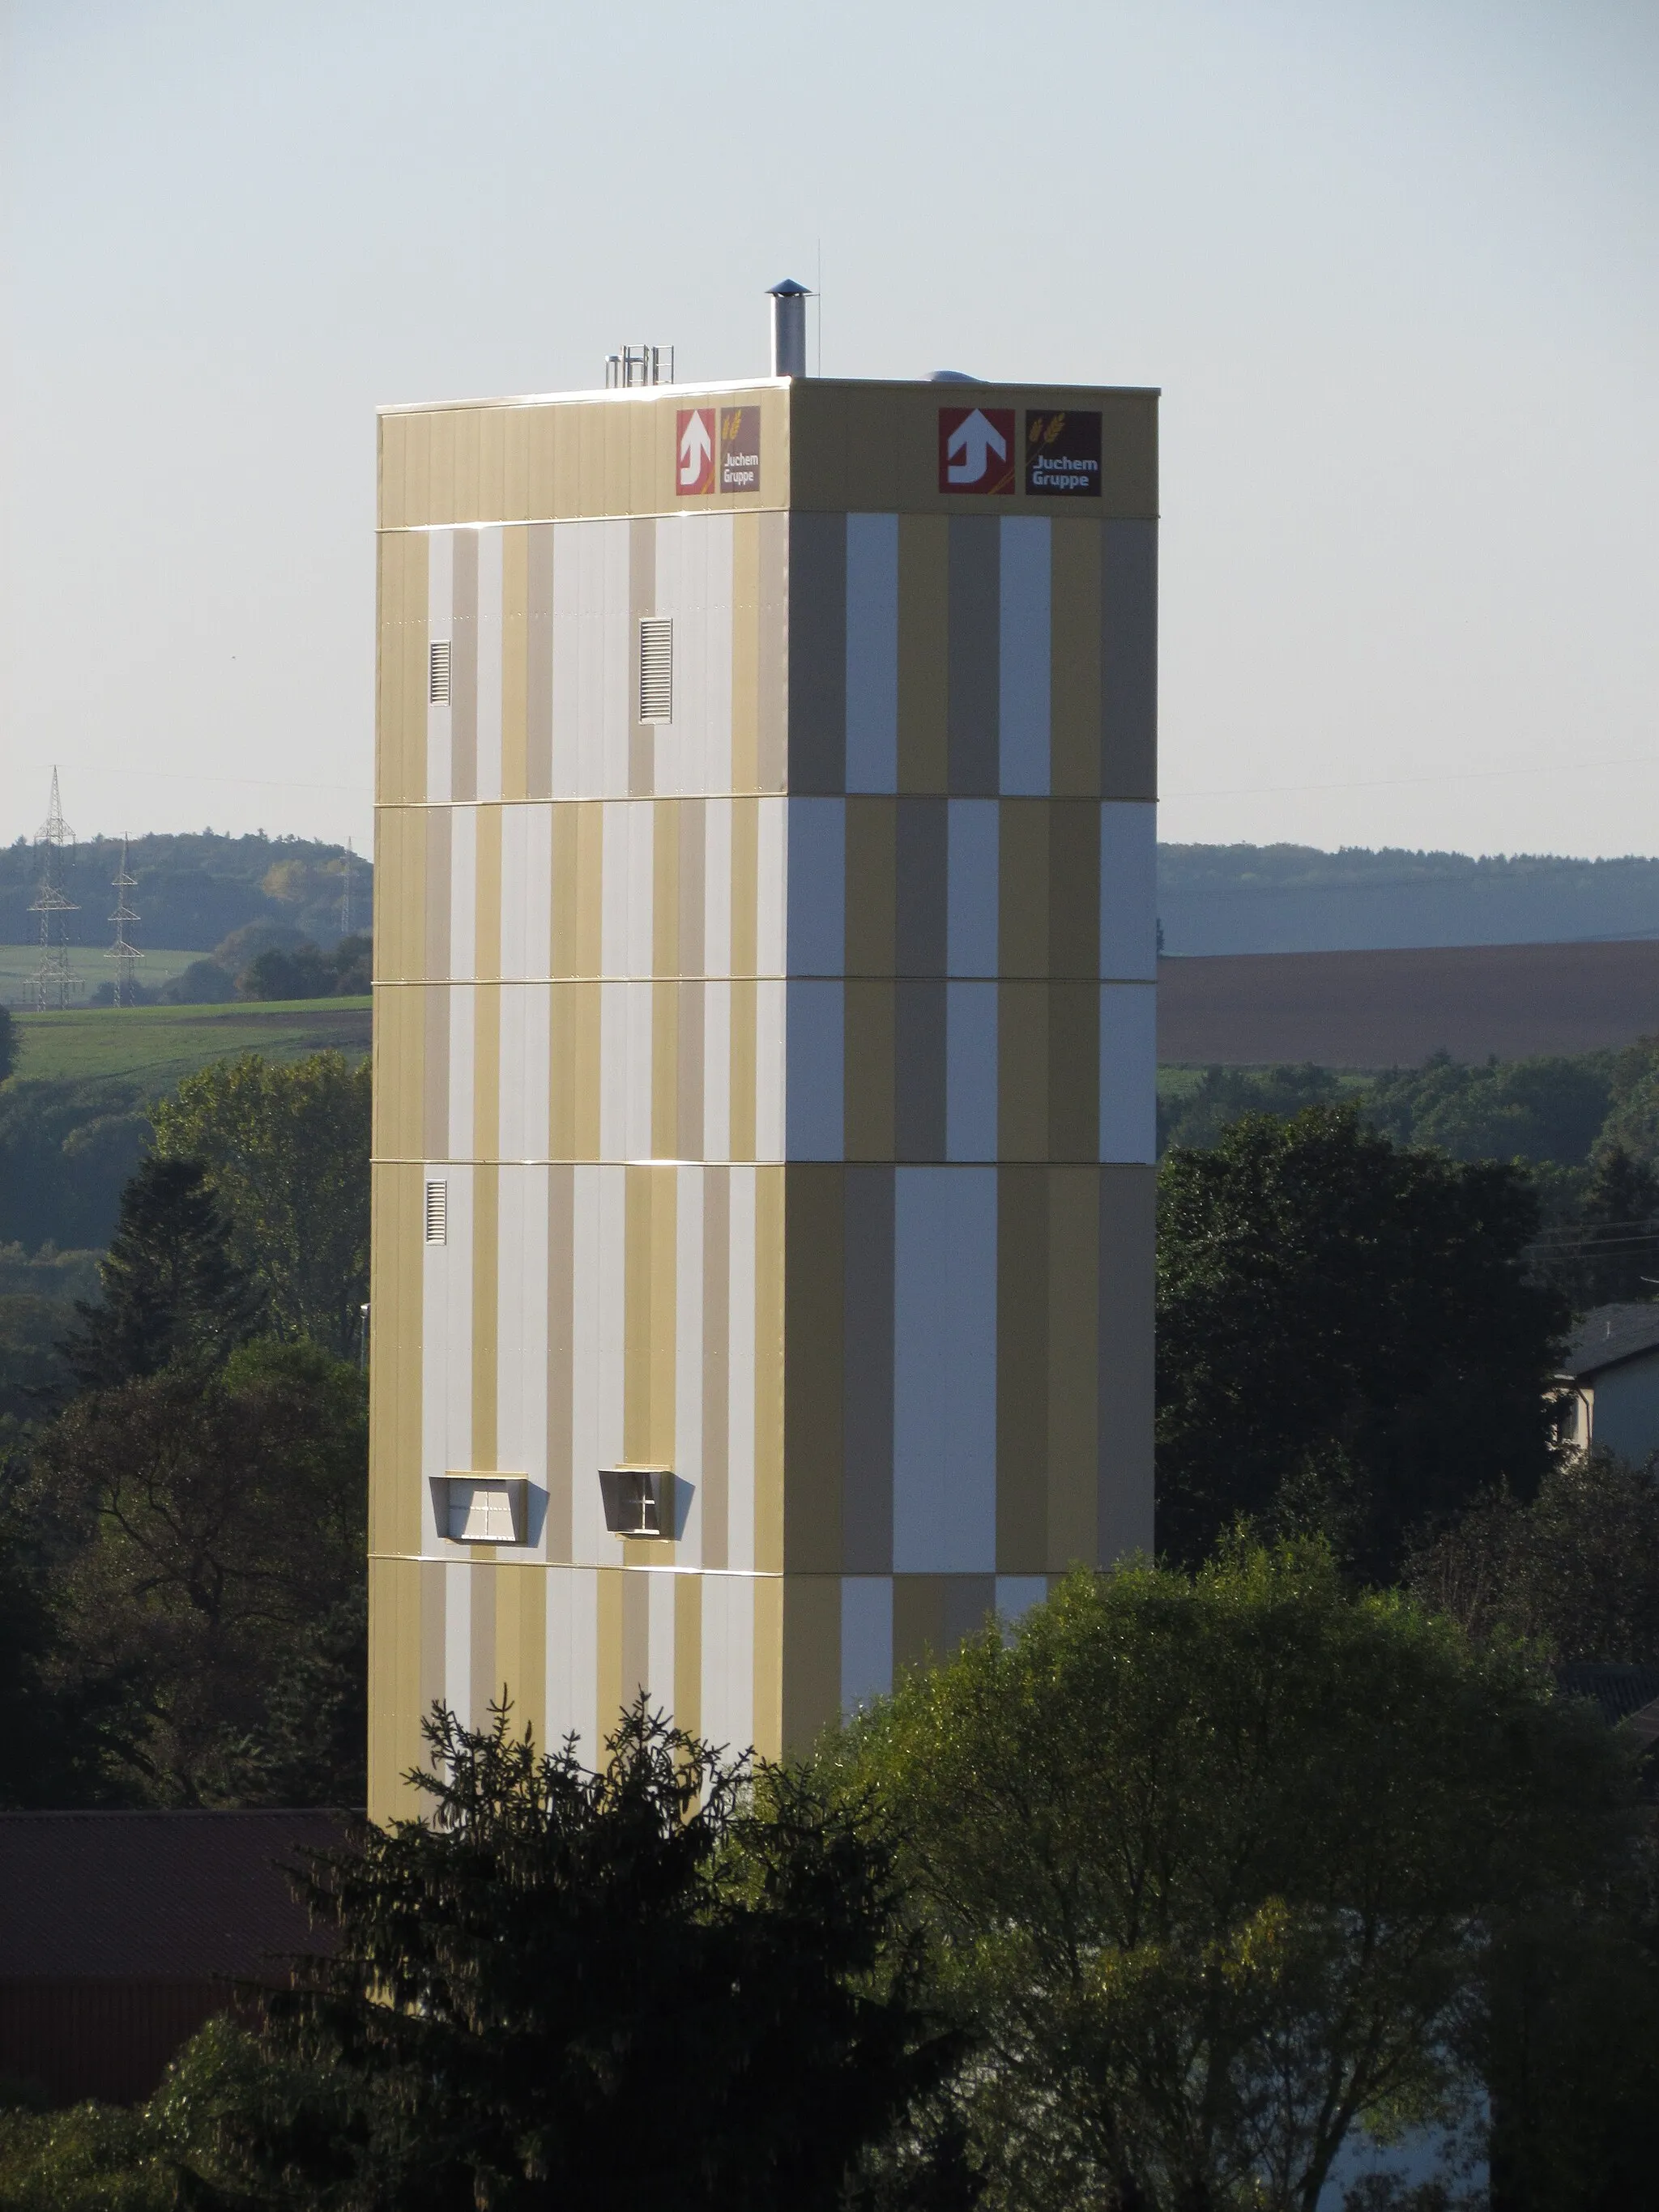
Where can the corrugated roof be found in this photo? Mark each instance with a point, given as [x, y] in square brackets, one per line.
[1607, 1335]
[154, 1896]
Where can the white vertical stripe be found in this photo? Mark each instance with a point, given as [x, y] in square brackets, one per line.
[771, 1067]
[522, 1319]
[463, 892]
[740, 1374]
[970, 1071]
[945, 1345]
[573, 1650]
[440, 624]
[615, 677]
[591, 1427]
[490, 663]
[816, 886]
[728, 1660]
[815, 1047]
[971, 901]
[872, 652]
[1024, 654]
[510, 1139]
[536, 1117]
[866, 1639]
[568, 692]
[689, 1182]
[1128, 891]
[462, 1024]
[1128, 1072]
[717, 888]
[716, 1071]
[457, 1641]
[714, 764]
[456, 1324]
[769, 874]
[517, 823]
[510, 1197]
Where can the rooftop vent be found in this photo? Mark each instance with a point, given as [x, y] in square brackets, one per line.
[638, 365]
[789, 328]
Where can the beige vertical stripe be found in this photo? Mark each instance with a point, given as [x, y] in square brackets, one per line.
[872, 885]
[1074, 670]
[394, 1375]
[401, 670]
[716, 1355]
[811, 1659]
[1023, 888]
[769, 1665]
[648, 1316]
[609, 1654]
[1023, 1071]
[400, 1077]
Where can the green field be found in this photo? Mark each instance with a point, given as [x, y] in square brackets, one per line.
[89, 966]
[157, 1046]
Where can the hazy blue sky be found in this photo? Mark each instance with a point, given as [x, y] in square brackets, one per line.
[1394, 266]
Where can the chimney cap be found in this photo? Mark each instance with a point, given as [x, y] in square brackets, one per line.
[788, 290]
[953, 376]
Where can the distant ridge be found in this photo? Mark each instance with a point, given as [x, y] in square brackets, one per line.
[1295, 898]
[192, 889]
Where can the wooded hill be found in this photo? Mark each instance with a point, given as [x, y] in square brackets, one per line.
[192, 890]
[1294, 898]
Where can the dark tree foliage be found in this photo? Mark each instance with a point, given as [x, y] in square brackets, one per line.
[1598, 1245]
[207, 1564]
[1346, 1338]
[1575, 1571]
[8, 1043]
[1222, 1095]
[66, 1150]
[306, 972]
[172, 1292]
[675, 1982]
[1546, 1108]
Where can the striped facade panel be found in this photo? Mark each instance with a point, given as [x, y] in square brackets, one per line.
[780, 1042]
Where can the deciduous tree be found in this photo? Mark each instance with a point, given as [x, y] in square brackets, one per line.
[1211, 1865]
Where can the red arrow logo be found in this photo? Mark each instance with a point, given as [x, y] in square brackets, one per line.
[694, 467]
[976, 449]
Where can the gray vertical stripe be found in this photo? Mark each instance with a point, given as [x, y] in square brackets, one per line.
[919, 1084]
[867, 1371]
[975, 621]
[1128, 660]
[1127, 1211]
[539, 645]
[921, 836]
[817, 654]
[464, 670]
[872, 652]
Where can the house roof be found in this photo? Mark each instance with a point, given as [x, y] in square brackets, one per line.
[1619, 1691]
[1608, 1334]
[154, 1896]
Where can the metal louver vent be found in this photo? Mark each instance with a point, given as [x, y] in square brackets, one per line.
[437, 1212]
[437, 684]
[657, 669]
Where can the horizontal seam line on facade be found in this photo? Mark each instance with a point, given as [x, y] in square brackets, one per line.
[459, 1554]
[726, 792]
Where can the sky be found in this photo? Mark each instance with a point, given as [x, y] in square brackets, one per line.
[1394, 265]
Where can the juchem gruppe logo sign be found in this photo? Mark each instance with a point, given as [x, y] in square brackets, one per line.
[1062, 454]
[694, 450]
[740, 449]
[977, 449]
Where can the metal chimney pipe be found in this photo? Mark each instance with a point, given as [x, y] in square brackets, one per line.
[789, 328]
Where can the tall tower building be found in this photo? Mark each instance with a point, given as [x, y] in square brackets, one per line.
[764, 1040]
